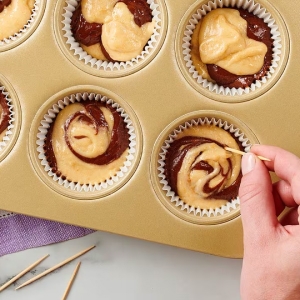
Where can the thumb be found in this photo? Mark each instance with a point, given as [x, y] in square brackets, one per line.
[257, 203]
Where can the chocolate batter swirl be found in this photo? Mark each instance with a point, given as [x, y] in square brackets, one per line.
[84, 32]
[140, 9]
[259, 31]
[190, 154]
[3, 4]
[92, 116]
[4, 116]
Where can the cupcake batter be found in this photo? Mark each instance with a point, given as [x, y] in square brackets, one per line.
[14, 17]
[234, 47]
[88, 142]
[125, 26]
[96, 11]
[200, 170]
[223, 41]
[122, 38]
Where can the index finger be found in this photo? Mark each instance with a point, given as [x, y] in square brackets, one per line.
[285, 164]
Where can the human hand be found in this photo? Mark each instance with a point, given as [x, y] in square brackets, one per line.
[271, 264]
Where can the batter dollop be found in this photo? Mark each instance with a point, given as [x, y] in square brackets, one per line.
[113, 30]
[232, 47]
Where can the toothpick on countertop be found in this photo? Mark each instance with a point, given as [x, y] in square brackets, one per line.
[55, 267]
[71, 282]
[242, 153]
[3, 287]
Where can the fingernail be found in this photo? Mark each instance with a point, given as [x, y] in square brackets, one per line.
[248, 163]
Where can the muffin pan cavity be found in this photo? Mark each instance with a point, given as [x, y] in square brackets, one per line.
[207, 211]
[80, 58]
[68, 168]
[280, 49]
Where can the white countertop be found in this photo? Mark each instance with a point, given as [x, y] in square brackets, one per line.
[123, 268]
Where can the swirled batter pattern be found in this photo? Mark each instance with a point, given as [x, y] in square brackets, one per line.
[113, 30]
[200, 171]
[87, 143]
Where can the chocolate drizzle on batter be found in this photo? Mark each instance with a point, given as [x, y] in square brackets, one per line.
[3, 4]
[259, 31]
[174, 159]
[4, 116]
[92, 115]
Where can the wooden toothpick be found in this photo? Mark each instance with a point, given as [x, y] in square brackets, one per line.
[71, 282]
[55, 267]
[242, 153]
[3, 287]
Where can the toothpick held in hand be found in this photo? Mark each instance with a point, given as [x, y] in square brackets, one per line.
[55, 267]
[242, 153]
[3, 287]
[71, 282]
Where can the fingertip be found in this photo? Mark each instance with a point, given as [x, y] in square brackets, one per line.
[248, 163]
[255, 193]
[257, 173]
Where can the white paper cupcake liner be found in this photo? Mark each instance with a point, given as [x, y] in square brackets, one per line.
[252, 7]
[26, 27]
[106, 65]
[49, 118]
[10, 128]
[175, 199]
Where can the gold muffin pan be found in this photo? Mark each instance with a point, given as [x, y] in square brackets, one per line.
[158, 97]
